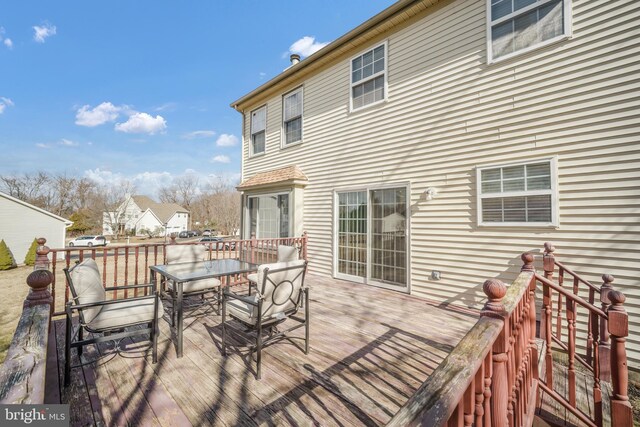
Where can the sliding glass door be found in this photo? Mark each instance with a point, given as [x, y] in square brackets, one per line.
[371, 240]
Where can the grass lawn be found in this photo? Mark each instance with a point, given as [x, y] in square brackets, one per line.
[14, 289]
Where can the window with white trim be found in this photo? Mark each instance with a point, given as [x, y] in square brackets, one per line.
[520, 25]
[258, 130]
[292, 117]
[518, 194]
[268, 216]
[368, 77]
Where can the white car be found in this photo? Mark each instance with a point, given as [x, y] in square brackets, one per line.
[88, 241]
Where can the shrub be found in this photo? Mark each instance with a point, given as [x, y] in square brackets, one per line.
[6, 257]
[30, 259]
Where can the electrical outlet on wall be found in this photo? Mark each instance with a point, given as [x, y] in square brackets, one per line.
[435, 275]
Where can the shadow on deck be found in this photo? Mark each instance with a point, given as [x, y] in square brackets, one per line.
[370, 351]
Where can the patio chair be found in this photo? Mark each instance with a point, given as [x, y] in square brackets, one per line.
[278, 298]
[178, 254]
[285, 254]
[106, 320]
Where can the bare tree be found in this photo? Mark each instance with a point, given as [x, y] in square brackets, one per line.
[218, 206]
[110, 205]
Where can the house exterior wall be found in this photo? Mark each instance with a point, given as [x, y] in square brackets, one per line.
[178, 222]
[20, 224]
[449, 112]
[147, 221]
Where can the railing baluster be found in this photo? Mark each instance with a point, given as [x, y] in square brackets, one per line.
[136, 254]
[115, 272]
[104, 267]
[560, 306]
[571, 335]
[597, 389]
[126, 271]
[604, 343]
[469, 404]
[67, 261]
[621, 410]
[478, 388]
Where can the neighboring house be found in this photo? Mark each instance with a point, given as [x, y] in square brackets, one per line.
[21, 222]
[426, 149]
[140, 213]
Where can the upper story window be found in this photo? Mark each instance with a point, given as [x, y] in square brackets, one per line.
[258, 130]
[522, 25]
[518, 194]
[369, 77]
[292, 117]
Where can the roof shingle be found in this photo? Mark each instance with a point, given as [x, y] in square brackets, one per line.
[287, 174]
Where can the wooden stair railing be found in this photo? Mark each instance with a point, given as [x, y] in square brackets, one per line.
[605, 360]
[491, 377]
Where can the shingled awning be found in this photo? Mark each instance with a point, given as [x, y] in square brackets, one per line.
[289, 175]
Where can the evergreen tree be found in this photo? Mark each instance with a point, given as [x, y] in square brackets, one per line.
[30, 259]
[6, 257]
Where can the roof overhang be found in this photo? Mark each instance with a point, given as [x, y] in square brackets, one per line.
[399, 12]
[289, 176]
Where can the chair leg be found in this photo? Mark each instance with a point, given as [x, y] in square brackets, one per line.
[67, 351]
[259, 353]
[306, 321]
[224, 326]
[80, 338]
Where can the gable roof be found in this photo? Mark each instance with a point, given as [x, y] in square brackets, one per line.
[162, 211]
[286, 175]
[35, 208]
[396, 14]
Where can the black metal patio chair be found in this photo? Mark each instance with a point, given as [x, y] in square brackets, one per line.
[278, 298]
[106, 320]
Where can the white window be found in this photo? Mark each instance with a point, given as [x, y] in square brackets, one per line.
[292, 117]
[268, 216]
[522, 25]
[518, 194]
[258, 130]
[369, 77]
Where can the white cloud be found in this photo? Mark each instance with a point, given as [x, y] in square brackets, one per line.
[167, 106]
[306, 46]
[221, 159]
[142, 123]
[40, 33]
[8, 43]
[226, 140]
[68, 143]
[199, 134]
[103, 113]
[4, 103]
[41, 145]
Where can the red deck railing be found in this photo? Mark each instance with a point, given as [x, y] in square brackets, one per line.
[491, 378]
[129, 264]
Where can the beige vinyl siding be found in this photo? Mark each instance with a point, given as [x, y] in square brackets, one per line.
[448, 112]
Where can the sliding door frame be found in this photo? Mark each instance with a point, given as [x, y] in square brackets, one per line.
[335, 230]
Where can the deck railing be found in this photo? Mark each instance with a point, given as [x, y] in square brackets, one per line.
[491, 378]
[23, 373]
[589, 334]
[129, 264]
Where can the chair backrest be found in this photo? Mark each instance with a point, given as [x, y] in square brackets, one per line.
[287, 253]
[185, 253]
[86, 287]
[280, 286]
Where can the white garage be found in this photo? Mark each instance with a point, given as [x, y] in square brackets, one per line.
[21, 222]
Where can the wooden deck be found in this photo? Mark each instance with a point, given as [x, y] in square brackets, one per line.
[370, 350]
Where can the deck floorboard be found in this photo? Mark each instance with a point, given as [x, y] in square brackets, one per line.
[370, 350]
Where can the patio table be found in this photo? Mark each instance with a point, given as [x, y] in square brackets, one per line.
[185, 272]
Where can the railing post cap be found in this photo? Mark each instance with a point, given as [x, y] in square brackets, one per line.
[549, 248]
[617, 297]
[607, 279]
[39, 281]
[527, 261]
[494, 289]
[41, 241]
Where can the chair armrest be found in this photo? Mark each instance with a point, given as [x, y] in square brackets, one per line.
[248, 300]
[113, 301]
[115, 288]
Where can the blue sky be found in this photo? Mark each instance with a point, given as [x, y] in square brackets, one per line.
[140, 90]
